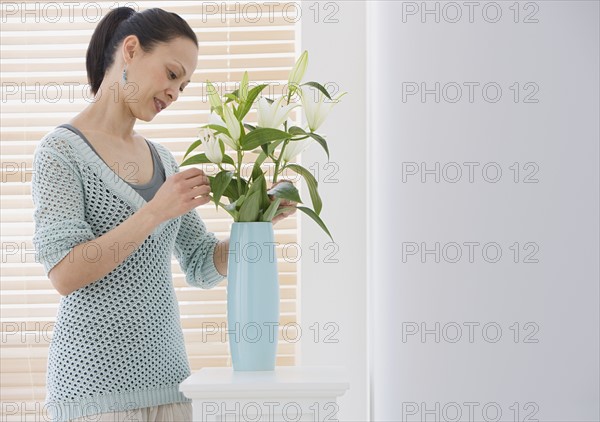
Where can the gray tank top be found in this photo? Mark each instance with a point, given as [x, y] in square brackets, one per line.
[147, 190]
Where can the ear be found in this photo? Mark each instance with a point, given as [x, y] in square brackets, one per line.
[131, 47]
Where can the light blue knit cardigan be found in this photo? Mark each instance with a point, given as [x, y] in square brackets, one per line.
[117, 342]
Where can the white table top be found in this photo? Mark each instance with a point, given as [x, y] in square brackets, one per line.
[284, 380]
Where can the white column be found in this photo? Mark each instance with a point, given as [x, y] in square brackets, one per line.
[542, 133]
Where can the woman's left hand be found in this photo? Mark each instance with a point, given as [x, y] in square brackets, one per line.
[284, 203]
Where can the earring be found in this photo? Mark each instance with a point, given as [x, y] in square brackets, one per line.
[124, 77]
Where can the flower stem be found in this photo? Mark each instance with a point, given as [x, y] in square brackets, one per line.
[278, 161]
[239, 172]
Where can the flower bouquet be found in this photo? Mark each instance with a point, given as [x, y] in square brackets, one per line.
[249, 199]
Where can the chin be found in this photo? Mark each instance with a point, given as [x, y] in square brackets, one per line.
[145, 118]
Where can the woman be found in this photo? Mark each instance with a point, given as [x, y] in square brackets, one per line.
[106, 239]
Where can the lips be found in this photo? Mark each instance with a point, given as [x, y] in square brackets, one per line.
[159, 105]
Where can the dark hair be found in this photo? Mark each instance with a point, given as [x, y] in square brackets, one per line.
[151, 26]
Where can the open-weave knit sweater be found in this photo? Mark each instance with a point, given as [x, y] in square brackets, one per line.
[117, 343]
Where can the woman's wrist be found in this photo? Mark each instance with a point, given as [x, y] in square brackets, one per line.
[150, 215]
[221, 256]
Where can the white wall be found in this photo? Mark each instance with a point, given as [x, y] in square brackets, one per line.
[555, 379]
[331, 292]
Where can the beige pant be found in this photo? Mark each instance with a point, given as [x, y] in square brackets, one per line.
[174, 412]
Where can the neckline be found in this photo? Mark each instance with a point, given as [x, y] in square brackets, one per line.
[110, 178]
[133, 185]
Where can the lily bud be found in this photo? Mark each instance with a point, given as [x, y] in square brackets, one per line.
[213, 96]
[233, 124]
[244, 87]
[297, 72]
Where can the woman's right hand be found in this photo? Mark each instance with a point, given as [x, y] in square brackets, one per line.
[180, 193]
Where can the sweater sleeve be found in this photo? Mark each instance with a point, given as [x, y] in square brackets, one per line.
[194, 244]
[59, 209]
[194, 249]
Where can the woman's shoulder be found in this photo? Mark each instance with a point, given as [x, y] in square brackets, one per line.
[58, 140]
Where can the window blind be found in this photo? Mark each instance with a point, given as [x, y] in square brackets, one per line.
[44, 84]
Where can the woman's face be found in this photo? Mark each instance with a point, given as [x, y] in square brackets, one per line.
[156, 79]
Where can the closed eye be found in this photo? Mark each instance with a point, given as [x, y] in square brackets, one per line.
[174, 76]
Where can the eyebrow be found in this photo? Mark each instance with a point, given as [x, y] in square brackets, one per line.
[184, 71]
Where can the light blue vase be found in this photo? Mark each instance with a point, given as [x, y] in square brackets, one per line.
[252, 297]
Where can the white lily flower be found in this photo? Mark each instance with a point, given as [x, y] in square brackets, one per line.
[273, 115]
[294, 148]
[316, 111]
[211, 145]
[215, 119]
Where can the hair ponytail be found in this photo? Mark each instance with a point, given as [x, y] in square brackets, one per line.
[95, 61]
[151, 26]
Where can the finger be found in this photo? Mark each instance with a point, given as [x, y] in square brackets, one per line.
[198, 180]
[201, 200]
[203, 190]
[191, 172]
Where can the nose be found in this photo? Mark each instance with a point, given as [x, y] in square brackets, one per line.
[173, 94]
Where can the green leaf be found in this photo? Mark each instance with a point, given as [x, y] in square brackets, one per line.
[270, 147]
[235, 205]
[256, 170]
[232, 96]
[284, 209]
[227, 159]
[270, 212]
[312, 185]
[192, 147]
[196, 159]
[259, 186]
[252, 94]
[249, 126]
[319, 87]
[218, 110]
[285, 190]
[320, 140]
[261, 136]
[250, 208]
[255, 186]
[219, 184]
[265, 202]
[316, 218]
[219, 129]
[295, 130]
[239, 202]
[232, 190]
